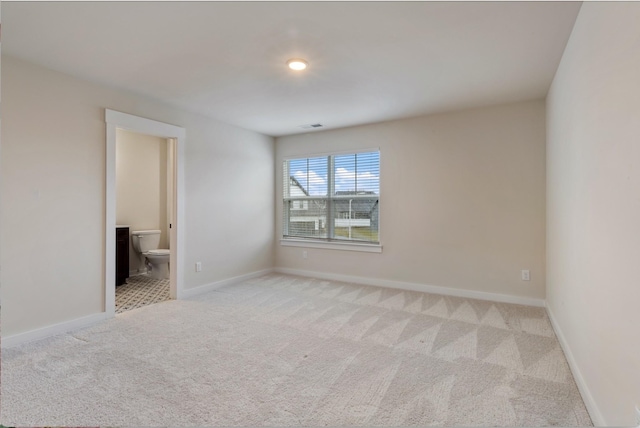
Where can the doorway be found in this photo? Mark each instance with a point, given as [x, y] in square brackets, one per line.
[175, 137]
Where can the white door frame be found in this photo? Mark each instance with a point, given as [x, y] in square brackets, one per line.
[117, 120]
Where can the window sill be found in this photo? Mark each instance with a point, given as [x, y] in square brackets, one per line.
[345, 246]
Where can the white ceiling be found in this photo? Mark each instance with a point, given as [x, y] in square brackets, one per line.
[368, 61]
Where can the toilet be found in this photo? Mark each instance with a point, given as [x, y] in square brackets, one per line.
[146, 243]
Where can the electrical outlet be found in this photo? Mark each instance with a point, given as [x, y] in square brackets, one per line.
[638, 415]
[304, 254]
[525, 275]
[198, 266]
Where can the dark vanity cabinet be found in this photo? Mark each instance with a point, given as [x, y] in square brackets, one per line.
[122, 255]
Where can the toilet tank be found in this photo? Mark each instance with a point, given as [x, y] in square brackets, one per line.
[145, 240]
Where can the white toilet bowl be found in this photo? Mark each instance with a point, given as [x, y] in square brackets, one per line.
[157, 262]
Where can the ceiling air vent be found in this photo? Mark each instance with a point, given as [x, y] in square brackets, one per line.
[312, 126]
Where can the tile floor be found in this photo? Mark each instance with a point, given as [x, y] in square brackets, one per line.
[141, 290]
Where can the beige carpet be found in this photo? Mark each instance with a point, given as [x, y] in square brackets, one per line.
[285, 350]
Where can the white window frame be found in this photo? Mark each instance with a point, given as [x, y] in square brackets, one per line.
[332, 244]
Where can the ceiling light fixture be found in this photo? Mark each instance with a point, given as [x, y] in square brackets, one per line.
[297, 64]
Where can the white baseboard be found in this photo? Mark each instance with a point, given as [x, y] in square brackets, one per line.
[191, 292]
[52, 330]
[590, 403]
[434, 289]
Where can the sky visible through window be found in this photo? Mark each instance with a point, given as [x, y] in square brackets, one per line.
[352, 173]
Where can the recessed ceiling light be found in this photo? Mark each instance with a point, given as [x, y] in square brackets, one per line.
[297, 64]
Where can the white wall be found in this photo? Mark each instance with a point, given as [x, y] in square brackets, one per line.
[141, 187]
[462, 200]
[593, 206]
[53, 195]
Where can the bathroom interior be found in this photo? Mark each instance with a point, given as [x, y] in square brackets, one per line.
[144, 201]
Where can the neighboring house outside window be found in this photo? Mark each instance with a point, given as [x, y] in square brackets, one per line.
[332, 198]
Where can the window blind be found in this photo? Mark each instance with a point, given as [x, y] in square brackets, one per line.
[332, 197]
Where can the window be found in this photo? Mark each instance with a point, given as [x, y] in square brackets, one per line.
[300, 205]
[332, 198]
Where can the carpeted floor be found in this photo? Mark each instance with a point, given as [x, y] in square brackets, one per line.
[285, 350]
[139, 291]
